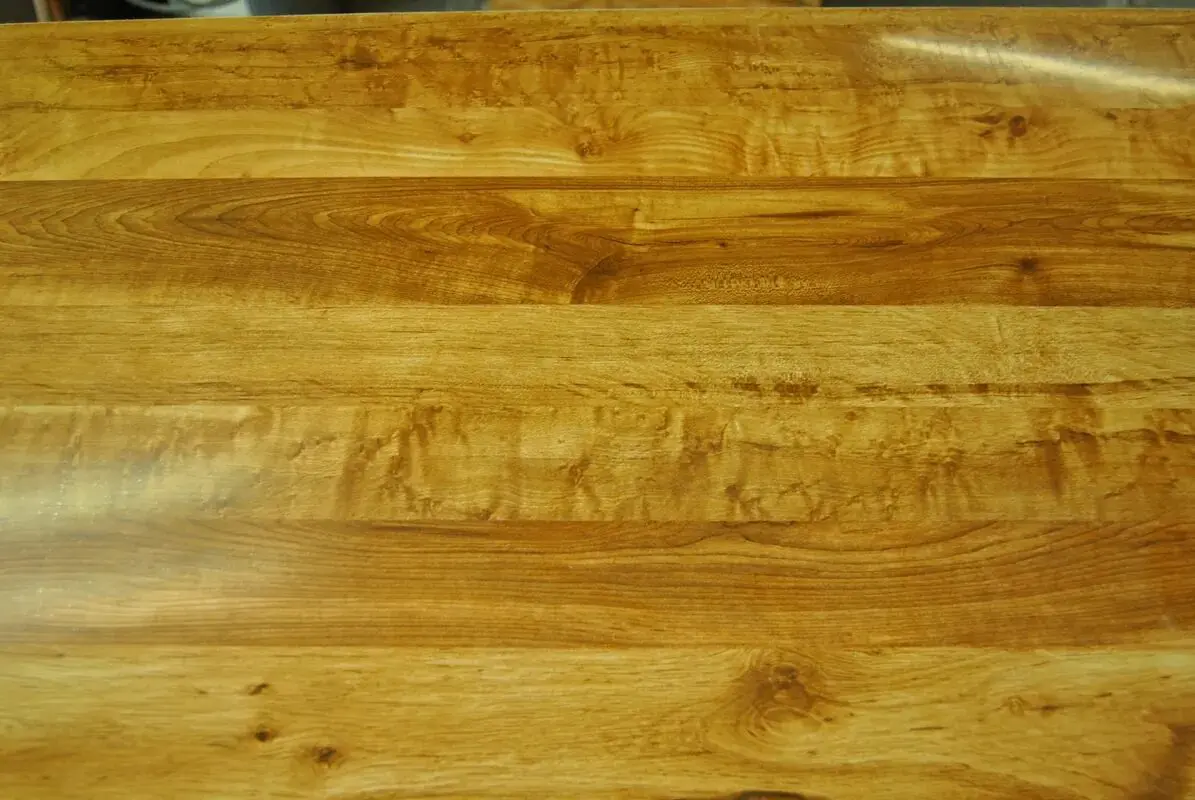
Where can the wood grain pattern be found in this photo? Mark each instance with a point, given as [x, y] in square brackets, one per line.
[655, 405]
[549, 355]
[682, 59]
[381, 242]
[298, 722]
[695, 92]
[960, 139]
[550, 584]
[781, 459]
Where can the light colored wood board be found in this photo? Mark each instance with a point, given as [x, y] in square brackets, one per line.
[968, 139]
[549, 355]
[1017, 585]
[832, 60]
[778, 462]
[684, 722]
[690, 241]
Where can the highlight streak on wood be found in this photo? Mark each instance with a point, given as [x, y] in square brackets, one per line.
[793, 92]
[607, 241]
[627, 405]
[686, 58]
[1012, 585]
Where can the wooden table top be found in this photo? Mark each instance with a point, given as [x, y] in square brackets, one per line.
[771, 403]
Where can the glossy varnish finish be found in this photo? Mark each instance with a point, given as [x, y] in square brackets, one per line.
[657, 241]
[682, 404]
[767, 92]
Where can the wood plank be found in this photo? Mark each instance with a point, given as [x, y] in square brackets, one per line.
[676, 405]
[995, 93]
[968, 139]
[430, 461]
[643, 723]
[550, 355]
[381, 242]
[689, 57]
[170, 580]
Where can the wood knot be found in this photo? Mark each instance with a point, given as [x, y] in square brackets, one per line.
[784, 689]
[576, 471]
[1028, 265]
[588, 149]
[326, 756]
[359, 58]
[1018, 126]
[777, 690]
[775, 696]
[264, 734]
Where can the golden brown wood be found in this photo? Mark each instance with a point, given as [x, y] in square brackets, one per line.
[381, 242]
[683, 58]
[704, 722]
[953, 138]
[532, 356]
[750, 403]
[650, 459]
[545, 584]
[692, 92]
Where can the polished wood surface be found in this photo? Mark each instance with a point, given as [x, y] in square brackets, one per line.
[757, 403]
[676, 241]
[765, 92]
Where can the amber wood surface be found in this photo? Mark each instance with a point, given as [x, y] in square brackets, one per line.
[543, 584]
[675, 241]
[780, 92]
[743, 404]
[704, 722]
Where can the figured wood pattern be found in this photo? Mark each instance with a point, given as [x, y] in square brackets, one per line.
[849, 93]
[382, 242]
[714, 403]
[678, 59]
[786, 460]
[955, 137]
